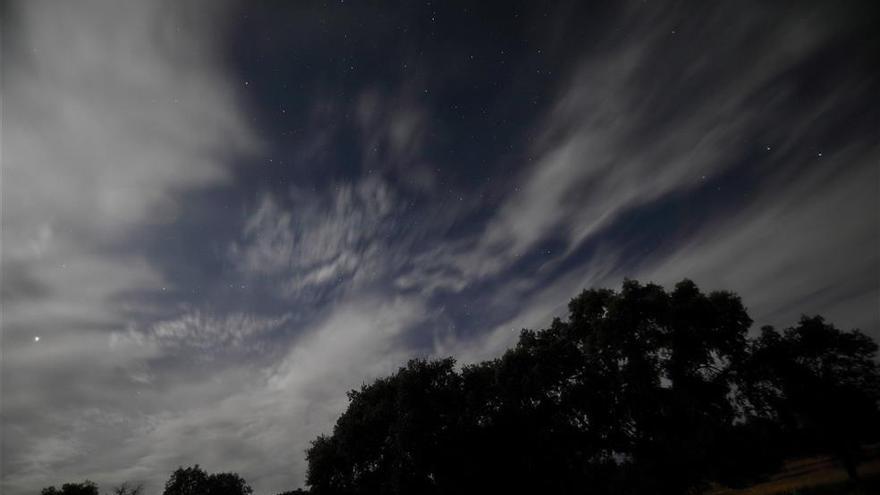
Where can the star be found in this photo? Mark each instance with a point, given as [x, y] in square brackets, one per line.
[37, 338]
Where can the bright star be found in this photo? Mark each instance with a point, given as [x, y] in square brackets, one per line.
[37, 338]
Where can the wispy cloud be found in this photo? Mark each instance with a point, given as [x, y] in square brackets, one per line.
[202, 332]
[808, 248]
[334, 241]
[394, 131]
[623, 137]
[613, 141]
[257, 422]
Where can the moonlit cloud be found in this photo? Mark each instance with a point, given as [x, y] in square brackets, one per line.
[111, 112]
[319, 242]
[270, 414]
[791, 232]
[208, 333]
[600, 154]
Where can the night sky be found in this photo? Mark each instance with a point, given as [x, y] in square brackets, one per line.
[218, 218]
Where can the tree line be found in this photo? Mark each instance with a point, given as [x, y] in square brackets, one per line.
[639, 391]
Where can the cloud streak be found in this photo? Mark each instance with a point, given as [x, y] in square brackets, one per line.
[320, 242]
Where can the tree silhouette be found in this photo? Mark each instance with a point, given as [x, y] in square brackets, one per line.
[821, 384]
[658, 372]
[195, 481]
[640, 391]
[126, 489]
[187, 481]
[395, 437]
[85, 488]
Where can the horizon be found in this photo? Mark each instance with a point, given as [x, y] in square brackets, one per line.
[218, 218]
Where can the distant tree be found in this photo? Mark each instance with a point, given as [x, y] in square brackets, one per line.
[85, 488]
[187, 481]
[195, 481]
[821, 384]
[126, 489]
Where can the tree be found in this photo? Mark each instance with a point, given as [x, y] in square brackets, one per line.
[396, 436]
[187, 481]
[85, 488]
[657, 378]
[638, 392]
[821, 384]
[195, 481]
[524, 428]
[228, 484]
[126, 489]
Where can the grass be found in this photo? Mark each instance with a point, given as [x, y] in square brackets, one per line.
[867, 487]
[815, 476]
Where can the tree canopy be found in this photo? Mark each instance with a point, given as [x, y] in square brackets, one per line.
[195, 481]
[818, 382]
[84, 488]
[640, 390]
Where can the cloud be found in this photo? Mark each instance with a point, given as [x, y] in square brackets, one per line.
[257, 422]
[336, 241]
[613, 141]
[809, 248]
[112, 112]
[394, 130]
[535, 308]
[200, 333]
[802, 246]
[656, 117]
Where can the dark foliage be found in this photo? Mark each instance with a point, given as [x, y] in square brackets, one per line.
[820, 384]
[84, 488]
[639, 391]
[183, 481]
[195, 481]
[126, 489]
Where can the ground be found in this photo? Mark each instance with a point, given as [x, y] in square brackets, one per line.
[816, 476]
